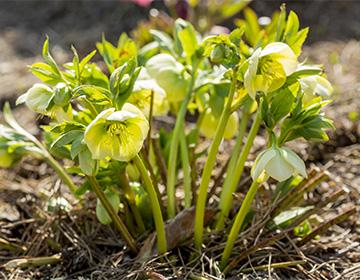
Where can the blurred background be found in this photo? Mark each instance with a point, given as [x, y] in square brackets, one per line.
[25, 23]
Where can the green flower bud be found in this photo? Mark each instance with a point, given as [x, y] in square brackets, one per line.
[278, 163]
[218, 54]
[117, 134]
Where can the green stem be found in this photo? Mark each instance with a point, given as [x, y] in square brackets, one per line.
[186, 169]
[119, 224]
[209, 165]
[155, 205]
[64, 176]
[239, 221]
[231, 169]
[171, 179]
[227, 197]
[130, 197]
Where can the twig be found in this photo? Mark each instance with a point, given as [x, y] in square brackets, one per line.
[273, 265]
[28, 262]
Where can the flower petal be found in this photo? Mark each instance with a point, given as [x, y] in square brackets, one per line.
[278, 168]
[250, 74]
[282, 53]
[295, 161]
[261, 161]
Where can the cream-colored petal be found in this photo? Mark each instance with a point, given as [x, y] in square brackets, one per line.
[282, 53]
[261, 161]
[278, 168]
[38, 98]
[250, 74]
[295, 161]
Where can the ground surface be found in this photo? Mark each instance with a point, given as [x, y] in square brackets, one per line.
[93, 251]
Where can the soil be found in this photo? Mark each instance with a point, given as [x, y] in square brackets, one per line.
[92, 251]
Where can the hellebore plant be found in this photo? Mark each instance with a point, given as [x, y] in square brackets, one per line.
[104, 122]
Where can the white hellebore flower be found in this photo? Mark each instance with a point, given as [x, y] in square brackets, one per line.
[169, 74]
[269, 67]
[117, 134]
[141, 98]
[315, 85]
[278, 163]
[39, 98]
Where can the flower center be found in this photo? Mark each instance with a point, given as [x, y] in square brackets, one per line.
[116, 128]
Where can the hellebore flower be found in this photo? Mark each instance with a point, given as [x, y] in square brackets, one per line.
[278, 163]
[315, 85]
[170, 75]
[117, 134]
[269, 67]
[141, 98]
[40, 99]
[209, 124]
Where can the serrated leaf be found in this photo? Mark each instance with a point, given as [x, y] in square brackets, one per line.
[66, 138]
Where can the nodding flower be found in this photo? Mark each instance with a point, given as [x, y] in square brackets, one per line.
[141, 98]
[269, 67]
[41, 99]
[170, 75]
[278, 163]
[117, 134]
[315, 85]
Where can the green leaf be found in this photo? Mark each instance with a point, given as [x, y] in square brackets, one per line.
[285, 218]
[164, 40]
[297, 40]
[49, 59]
[292, 25]
[87, 164]
[187, 37]
[101, 213]
[45, 73]
[281, 23]
[252, 26]
[66, 138]
[77, 146]
[230, 8]
[67, 126]
[281, 104]
[93, 93]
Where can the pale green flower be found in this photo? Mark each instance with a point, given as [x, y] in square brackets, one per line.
[269, 67]
[117, 134]
[278, 163]
[141, 98]
[170, 75]
[39, 98]
[315, 85]
[209, 124]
